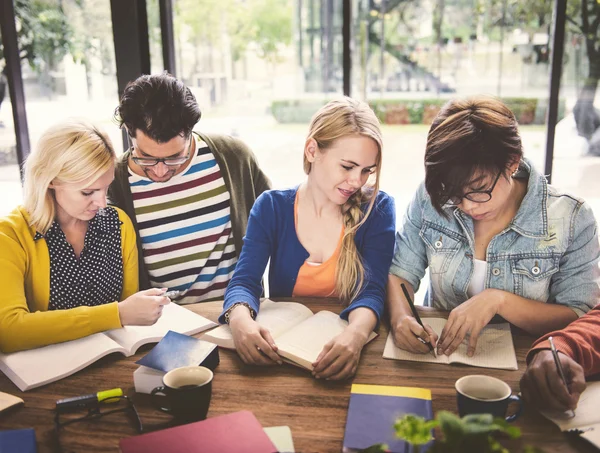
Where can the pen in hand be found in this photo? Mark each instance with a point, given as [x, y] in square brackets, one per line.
[559, 368]
[418, 318]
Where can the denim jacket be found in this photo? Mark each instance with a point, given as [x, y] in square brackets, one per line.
[549, 252]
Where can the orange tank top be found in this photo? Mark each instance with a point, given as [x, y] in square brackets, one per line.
[314, 279]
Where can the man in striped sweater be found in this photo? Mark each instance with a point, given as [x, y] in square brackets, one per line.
[188, 194]
[578, 347]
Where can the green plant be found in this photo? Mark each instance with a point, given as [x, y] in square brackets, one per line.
[475, 433]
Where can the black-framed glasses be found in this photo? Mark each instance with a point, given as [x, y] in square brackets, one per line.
[98, 410]
[476, 196]
[168, 161]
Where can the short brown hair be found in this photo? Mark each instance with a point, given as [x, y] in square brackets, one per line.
[469, 139]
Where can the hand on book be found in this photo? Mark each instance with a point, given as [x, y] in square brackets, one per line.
[470, 317]
[339, 358]
[143, 308]
[253, 343]
[542, 386]
[405, 332]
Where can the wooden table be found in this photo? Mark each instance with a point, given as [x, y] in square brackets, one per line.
[315, 410]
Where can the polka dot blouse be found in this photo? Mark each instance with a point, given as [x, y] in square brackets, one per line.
[96, 277]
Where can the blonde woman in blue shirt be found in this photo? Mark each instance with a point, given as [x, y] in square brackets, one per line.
[331, 236]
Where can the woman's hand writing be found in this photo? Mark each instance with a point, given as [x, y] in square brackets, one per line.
[406, 332]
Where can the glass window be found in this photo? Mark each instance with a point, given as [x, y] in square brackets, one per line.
[260, 69]
[576, 165]
[10, 177]
[69, 69]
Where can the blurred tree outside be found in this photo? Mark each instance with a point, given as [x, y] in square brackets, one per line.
[44, 37]
[265, 25]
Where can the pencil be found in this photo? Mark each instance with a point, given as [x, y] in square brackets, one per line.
[417, 317]
[559, 367]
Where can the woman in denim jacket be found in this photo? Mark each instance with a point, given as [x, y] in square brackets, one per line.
[498, 240]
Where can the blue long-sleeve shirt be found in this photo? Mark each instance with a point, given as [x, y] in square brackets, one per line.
[271, 233]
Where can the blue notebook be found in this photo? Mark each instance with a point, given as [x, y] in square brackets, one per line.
[176, 350]
[373, 409]
[18, 441]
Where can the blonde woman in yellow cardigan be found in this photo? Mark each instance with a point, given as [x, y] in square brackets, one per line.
[68, 263]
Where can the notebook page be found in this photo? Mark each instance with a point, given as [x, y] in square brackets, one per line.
[586, 414]
[593, 435]
[391, 351]
[281, 436]
[495, 349]
[278, 317]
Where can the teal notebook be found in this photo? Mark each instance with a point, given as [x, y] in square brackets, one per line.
[373, 409]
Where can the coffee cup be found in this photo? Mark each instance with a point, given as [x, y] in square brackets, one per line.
[186, 393]
[479, 394]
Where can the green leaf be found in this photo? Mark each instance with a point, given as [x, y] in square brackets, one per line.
[415, 430]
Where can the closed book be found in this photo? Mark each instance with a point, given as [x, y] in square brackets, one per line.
[173, 351]
[373, 409]
[18, 441]
[176, 350]
[147, 379]
[239, 432]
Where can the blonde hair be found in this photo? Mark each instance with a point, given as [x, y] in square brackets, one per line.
[68, 153]
[337, 119]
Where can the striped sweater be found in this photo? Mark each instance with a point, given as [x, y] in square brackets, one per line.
[185, 229]
[239, 169]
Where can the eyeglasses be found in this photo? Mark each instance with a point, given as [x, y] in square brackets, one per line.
[168, 161]
[101, 409]
[476, 196]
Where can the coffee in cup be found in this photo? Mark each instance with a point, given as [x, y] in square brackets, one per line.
[186, 393]
[480, 394]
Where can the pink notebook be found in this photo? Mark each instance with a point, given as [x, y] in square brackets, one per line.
[239, 432]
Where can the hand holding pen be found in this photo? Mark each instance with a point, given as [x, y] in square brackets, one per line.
[423, 336]
[552, 381]
[559, 367]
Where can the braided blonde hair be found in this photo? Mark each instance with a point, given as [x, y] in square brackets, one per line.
[337, 119]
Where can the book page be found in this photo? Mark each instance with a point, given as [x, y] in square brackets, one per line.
[36, 367]
[278, 317]
[7, 400]
[304, 342]
[586, 414]
[391, 351]
[593, 435]
[495, 349]
[281, 436]
[174, 317]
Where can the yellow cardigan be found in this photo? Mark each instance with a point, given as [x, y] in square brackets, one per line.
[25, 321]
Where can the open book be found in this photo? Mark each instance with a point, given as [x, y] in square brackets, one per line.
[587, 415]
[494, 348]
[37, 367]
[298, 333]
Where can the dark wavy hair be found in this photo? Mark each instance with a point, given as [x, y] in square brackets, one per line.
[160, 106]
[469, 140]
